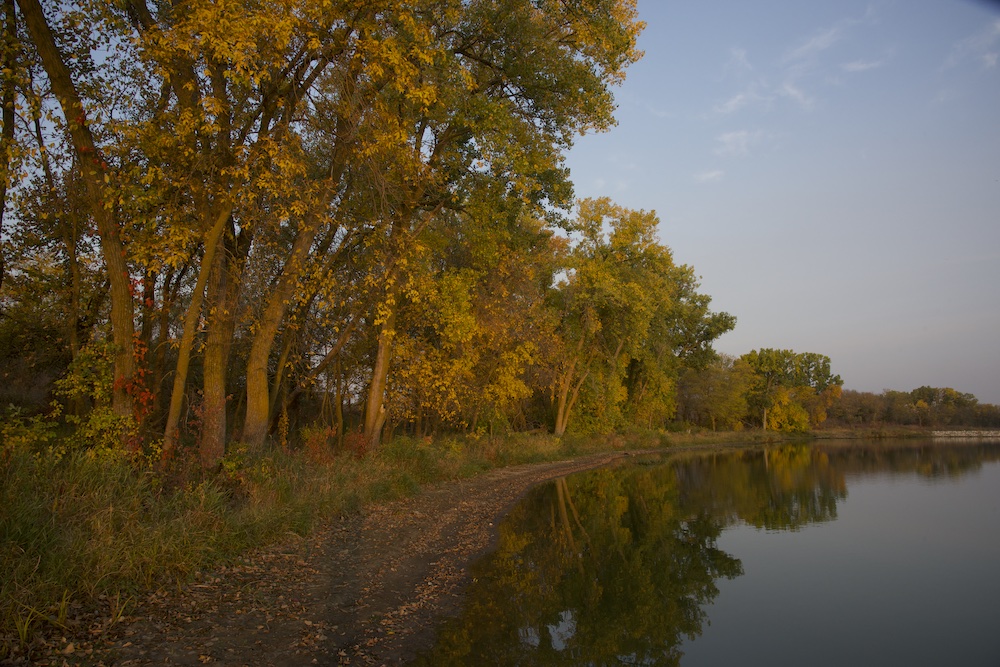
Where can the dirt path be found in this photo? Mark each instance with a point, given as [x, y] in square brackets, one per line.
[368, 589]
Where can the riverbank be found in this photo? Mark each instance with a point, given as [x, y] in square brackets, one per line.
[96, 546]
[88, 535]
[365, 587]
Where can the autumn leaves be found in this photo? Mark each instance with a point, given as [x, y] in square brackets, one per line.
[302, 202]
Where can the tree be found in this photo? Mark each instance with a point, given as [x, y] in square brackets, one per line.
[509, 87]
[103, 207]
[716, 394]
[265, 209]
[791, 383]
[9, 65]
[630, 319]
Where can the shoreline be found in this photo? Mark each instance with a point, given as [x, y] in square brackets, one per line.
[366, 587]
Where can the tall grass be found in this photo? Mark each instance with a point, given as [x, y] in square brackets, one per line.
[81, 526]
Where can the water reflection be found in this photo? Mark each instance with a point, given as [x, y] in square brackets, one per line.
[596, 567]
[618, 566]
[781, 488]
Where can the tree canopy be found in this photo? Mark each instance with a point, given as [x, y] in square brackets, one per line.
[229, 221]
[255, 217]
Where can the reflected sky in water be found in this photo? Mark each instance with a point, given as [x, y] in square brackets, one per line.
[907, 575]
[831, 554]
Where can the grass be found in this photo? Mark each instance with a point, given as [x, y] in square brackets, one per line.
[81, 529]
[98, 530]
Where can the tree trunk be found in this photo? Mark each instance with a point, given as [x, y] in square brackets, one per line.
[375, 411]
[212, 242]
[218, 343]
[567, 399]
[562, 414]
[338, 405]
[255, 427]
[569, 392]
[94, 171]
[69, 233]
[278, 385]
[168, 295]
[7, 101]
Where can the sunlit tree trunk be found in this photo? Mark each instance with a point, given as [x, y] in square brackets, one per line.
[375, 409]
[255, 427]
[212, 243]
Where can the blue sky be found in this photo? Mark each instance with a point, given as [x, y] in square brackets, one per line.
[832, 172]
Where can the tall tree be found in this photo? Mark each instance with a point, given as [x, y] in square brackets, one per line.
[234, 77]
[8, 64]
[505, 89]
[103, 205]
[786, 382]
[630, 319]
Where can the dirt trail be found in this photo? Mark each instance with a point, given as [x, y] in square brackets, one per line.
[367, 589]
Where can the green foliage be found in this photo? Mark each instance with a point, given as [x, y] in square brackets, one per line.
[629, 321]
[90, 380]
[790, 391]
[23, 434]
[716, 395]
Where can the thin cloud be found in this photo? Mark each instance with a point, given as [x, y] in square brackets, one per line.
[862, 65]
[793, 92]
[797, 73]
[981, 46]
[749, 97]
[656, 112]
[734, 103]
[709, 176]
[827, 38]
[945, 96]
[738, 143]
[816, 44]
[738, 60]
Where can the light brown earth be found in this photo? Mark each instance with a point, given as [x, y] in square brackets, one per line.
[366, 589]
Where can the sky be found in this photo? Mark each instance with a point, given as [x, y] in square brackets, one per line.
[831, 170]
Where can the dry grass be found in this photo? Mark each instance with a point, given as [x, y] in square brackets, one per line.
[90, 530]
[79, 528]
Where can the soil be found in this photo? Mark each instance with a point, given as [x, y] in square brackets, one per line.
[366, 589]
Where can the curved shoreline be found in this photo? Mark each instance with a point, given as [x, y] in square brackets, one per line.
[365, 589]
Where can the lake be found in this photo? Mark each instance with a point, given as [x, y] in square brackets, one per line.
[832, 553]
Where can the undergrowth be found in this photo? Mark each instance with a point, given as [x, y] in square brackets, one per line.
[86, 527]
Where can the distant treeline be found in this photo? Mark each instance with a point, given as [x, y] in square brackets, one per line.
[787, 391]
[925, 406]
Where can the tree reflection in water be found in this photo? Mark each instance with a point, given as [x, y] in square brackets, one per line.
[617, 566]
[600, 568]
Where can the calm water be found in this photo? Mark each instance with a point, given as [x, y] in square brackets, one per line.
[841, 553]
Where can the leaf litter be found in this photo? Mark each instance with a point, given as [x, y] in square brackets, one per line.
[365, 589]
